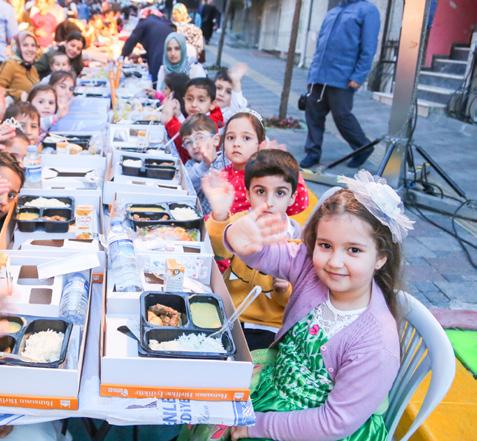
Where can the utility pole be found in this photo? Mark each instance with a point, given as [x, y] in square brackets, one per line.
[222, 34]
[282, 112]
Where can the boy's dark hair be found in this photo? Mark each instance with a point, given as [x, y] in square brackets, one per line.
[198, 122]
[42, 88]
[57, 54]
[61, 75]
[202, 83]
[22, 108]
[9, 161]
[272, 162]
[223, 74]
[177, 83]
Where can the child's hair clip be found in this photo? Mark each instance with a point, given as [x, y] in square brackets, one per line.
[12, 122]
[255, 114]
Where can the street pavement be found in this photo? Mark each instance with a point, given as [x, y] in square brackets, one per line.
[437, 271]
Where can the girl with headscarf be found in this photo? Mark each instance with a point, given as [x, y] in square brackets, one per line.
[18, 75]
[175, 60]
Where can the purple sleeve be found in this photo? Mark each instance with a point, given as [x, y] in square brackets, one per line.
[361, 386]
[284, 260]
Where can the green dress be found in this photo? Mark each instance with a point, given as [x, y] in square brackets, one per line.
[297, 379]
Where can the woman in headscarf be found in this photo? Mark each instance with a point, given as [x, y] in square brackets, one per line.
[18, 75]
[175, 60]
[193, 34]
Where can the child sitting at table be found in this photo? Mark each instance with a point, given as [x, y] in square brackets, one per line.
[201, 139]
[199, 97]
[64, 84]
[229, 96]
[58, 61]
[12, 178]
[337, 354]
[28, 117]
[244, 135]
[43, 97]
[17, 145]
[271, 179]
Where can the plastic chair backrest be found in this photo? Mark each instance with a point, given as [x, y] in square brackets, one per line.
[424, 347]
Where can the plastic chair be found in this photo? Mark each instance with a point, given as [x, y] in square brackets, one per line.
[424, 347]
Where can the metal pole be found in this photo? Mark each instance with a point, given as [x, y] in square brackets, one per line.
[407, 68]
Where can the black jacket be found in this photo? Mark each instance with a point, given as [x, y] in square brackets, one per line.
[151, 32]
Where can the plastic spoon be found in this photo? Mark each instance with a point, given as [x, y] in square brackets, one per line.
[126, 331]
[8, 355]
[247, 301]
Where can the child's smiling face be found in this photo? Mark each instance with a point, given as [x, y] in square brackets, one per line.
[345, 256]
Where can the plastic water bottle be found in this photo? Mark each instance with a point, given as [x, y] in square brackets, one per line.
[74, 298]
[121, 258]
[32, 164]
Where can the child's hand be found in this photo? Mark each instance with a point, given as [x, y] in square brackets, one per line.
[238, 433]
[24, 97]
[209, 154]
[220, 194]
[280, 285]
[236, 73]
[167, 111]
[271, 144]
[250, 233]
[6, 132]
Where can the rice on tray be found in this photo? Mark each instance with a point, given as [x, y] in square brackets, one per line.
[43, 346]
[189, 343]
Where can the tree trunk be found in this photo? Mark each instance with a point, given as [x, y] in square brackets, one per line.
[282, 112]
[222, 33]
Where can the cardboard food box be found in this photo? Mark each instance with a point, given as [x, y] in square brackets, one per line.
[127, 375]
[76, 237]
[136, 134]
[41, 387]
[73, 171]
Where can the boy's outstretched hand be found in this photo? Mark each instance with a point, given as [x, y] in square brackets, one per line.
[209, 153]
[236, 73]
[220, 193]
[250, 233]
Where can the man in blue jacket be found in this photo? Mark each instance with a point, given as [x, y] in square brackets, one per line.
[342, 60]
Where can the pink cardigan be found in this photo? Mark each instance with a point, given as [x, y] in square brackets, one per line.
[362, 359]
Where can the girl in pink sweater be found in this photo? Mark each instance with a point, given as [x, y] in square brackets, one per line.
[329, 371]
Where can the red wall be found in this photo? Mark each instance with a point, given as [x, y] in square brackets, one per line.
[453, 23]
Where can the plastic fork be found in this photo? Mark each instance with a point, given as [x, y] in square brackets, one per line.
[246, 302]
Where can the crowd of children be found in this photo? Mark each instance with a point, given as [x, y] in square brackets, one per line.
[323, 332]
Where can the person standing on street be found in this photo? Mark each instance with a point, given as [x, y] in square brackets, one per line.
[151, 32]
[8, 27]
[210, 19]
[343, 56]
